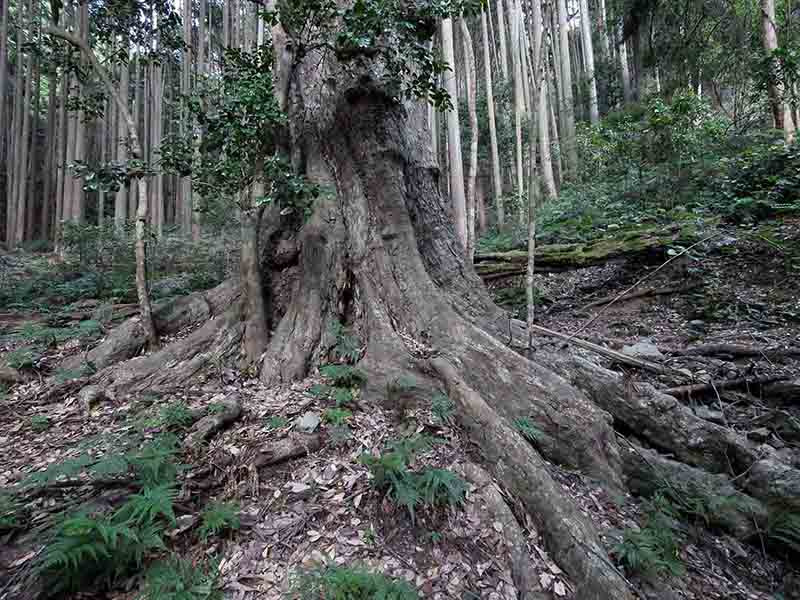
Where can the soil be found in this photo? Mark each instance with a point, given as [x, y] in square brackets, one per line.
[322, 508]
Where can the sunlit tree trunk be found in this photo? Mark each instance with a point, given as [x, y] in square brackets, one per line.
[14, 154]
[3, 90]
[588, 50]
[472, 100]
[183, 211]
[51, 143]
[625, 72]
[519, 107]
[457, 195]
[61, 157]
[497, 181]
[501, 31]
[781, 112]
[567, 102]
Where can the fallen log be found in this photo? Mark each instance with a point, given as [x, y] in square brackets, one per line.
[684, 392]
[565, 257]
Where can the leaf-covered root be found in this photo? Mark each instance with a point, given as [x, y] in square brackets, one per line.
[490, 498]
[569, 537]
[170, 317]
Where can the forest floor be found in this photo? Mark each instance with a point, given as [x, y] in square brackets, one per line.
[727, 311]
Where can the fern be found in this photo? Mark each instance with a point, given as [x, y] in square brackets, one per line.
[348, 346]
[9, 512]
[442, 408]
[343, 375]
[147, 506]
[430, 487]
[154, 462]
[655, 547]
[178, 579]
[176, 415]
[441, 487]
[347, 583]
[87, 549]
[336, 416]
[219, 517]
[785, 528]
[528, 429]
[40, 423]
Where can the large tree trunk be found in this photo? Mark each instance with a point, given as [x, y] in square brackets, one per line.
[568, 144]
[472, 99]
[588, 49]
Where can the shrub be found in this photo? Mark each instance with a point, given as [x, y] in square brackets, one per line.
[10, 511]
[218, 517]
[177, 579]
[442, 408]
[348, 583]
[345, 376]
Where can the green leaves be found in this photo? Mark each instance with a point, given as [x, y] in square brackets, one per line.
[218, 517]
[349, 583]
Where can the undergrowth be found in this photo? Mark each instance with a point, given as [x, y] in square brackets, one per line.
[349, 583]
[412, 490]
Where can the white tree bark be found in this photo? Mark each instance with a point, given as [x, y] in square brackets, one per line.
[567, 101]
[457, 195]
[472, 100]
[497, 181]
[519, 107]
[588, 51]
[501, 30]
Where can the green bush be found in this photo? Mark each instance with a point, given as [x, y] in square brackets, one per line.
[349, 583]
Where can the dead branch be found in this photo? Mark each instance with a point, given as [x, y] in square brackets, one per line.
[687, 391]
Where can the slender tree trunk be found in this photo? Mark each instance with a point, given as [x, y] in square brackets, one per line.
[781, 112]
[136, 149]
[15, 154]
[588, 49]
[497, 181]
[23, 149]
[567, 103]
[501, 30]
[4, 175]
[456, 165]
[121, 196]
[61, 158]
[34, 193]
[602, 29]
[184, 207]
[51, 143]
[139, 75]
[519, 107]
[472, 101]
[625, 72]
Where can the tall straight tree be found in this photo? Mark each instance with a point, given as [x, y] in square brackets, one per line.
[472, 101]
[588, 52]
[497, 181]
[121, 196]
[781, 112]
[23, 149]
[519, 103]
[456, 170]
[3, 92]
[625, 71]
[501, 33]
[184, 198]
[567, 102]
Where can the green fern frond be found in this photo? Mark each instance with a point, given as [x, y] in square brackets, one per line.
[178, 579]
[217, 518]
[349, 583]
[147, 506]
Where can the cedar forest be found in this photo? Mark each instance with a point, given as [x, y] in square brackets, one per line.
[397, 299]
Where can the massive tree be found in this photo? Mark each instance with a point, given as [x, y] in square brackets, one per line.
[380, 254]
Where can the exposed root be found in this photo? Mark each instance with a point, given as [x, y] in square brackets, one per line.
[207, 426]
[295, 445]
[522, 569]
[647, 472]
[569, 537]
[128, 339]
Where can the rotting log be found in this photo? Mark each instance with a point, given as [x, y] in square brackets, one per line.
[554, 258]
